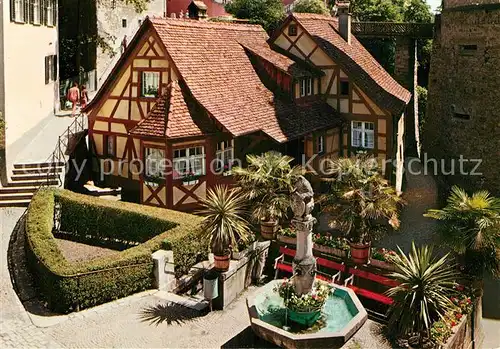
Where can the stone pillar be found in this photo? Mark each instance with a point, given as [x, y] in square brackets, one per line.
[304, 263]
[405, 72]
[164, 270]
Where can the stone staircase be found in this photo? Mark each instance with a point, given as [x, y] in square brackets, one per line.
[26, 179]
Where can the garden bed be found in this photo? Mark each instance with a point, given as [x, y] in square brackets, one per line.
[69, 286]
[75, 252]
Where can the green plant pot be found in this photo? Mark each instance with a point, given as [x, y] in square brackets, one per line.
[304, 318]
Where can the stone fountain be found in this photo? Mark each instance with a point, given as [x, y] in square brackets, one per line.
[343, 314]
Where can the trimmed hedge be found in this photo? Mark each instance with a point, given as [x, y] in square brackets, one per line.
[67, 286]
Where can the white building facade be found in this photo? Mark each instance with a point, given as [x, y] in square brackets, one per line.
[29, 89]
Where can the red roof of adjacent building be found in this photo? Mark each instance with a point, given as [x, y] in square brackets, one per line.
[172, 118]
[214, 9]
[357, 62]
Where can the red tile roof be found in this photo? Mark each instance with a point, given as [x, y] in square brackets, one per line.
[220, 76]
[358, 63]
[296, 69]
[172, 118]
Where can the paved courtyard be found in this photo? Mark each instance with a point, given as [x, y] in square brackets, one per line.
[149, 320]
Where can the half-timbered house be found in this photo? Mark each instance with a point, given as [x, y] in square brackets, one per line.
[194, 96]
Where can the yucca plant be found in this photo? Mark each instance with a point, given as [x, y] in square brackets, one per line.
[266, 182]
[224, 220]
[423, 295]
[361, 201]
[471, 227]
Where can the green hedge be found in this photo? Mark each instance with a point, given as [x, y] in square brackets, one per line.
[66, 286]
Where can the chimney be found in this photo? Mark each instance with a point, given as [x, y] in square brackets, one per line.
[344, 20]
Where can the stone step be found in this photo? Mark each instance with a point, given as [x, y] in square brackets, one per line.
[32, 183]
[37, 164]
[18, 190]
[14, 203]
[33, 177]
[35, 170]
[15, 196]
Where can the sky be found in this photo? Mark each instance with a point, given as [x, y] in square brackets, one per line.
[434, 4]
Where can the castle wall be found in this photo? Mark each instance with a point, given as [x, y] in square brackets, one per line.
[463, 106]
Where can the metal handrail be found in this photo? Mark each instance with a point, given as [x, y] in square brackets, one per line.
[393, 29]
[64, 147]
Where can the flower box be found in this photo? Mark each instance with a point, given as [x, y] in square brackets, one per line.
[330, 250]
[382, 264]
[190, 182]
[289, 240]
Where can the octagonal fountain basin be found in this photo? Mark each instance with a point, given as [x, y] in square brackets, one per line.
[342, 315]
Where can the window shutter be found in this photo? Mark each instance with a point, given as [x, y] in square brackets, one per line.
[12, 10]
[54, 12]
[43, 15]
[27, 12]
[32, 10]
[54, 68]
[47, 72]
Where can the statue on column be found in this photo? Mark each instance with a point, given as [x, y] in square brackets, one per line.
[304, 263]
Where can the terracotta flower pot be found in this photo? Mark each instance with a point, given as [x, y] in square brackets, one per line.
[221, 263]
[269, 229]
[360, 252]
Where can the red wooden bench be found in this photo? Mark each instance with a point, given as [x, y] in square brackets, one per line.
[281, 265]
[372, 277]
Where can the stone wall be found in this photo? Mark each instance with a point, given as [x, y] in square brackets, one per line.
[463, 107]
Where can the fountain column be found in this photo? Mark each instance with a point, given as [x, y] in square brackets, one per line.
[304, 263]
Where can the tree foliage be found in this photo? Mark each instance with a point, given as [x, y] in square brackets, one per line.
[471, 227]
[268, 13]
[310, 6]
[361, 202]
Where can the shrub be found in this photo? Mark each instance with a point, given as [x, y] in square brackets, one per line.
[383, 254]
[66, 286]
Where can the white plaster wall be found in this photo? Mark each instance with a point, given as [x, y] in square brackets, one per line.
[27, 101]
[109, 21]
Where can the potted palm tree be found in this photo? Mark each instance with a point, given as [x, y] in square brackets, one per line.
[471, 227]
[361, 203]
[224, 223]
[422, 297]
[266, 183]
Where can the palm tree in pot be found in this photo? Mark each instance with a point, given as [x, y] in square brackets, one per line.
[471, 227]
[224, 223]
[423, 295]
[266, 182]
[361, 203]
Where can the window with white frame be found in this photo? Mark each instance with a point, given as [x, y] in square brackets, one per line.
[49, 12]
[225, 155]
[35, 8]
[18, 9]
[363, 134]
[110, 146]
[306, 87]
[189, 161]
[320, 144]
[154, 162]
[150, 84]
